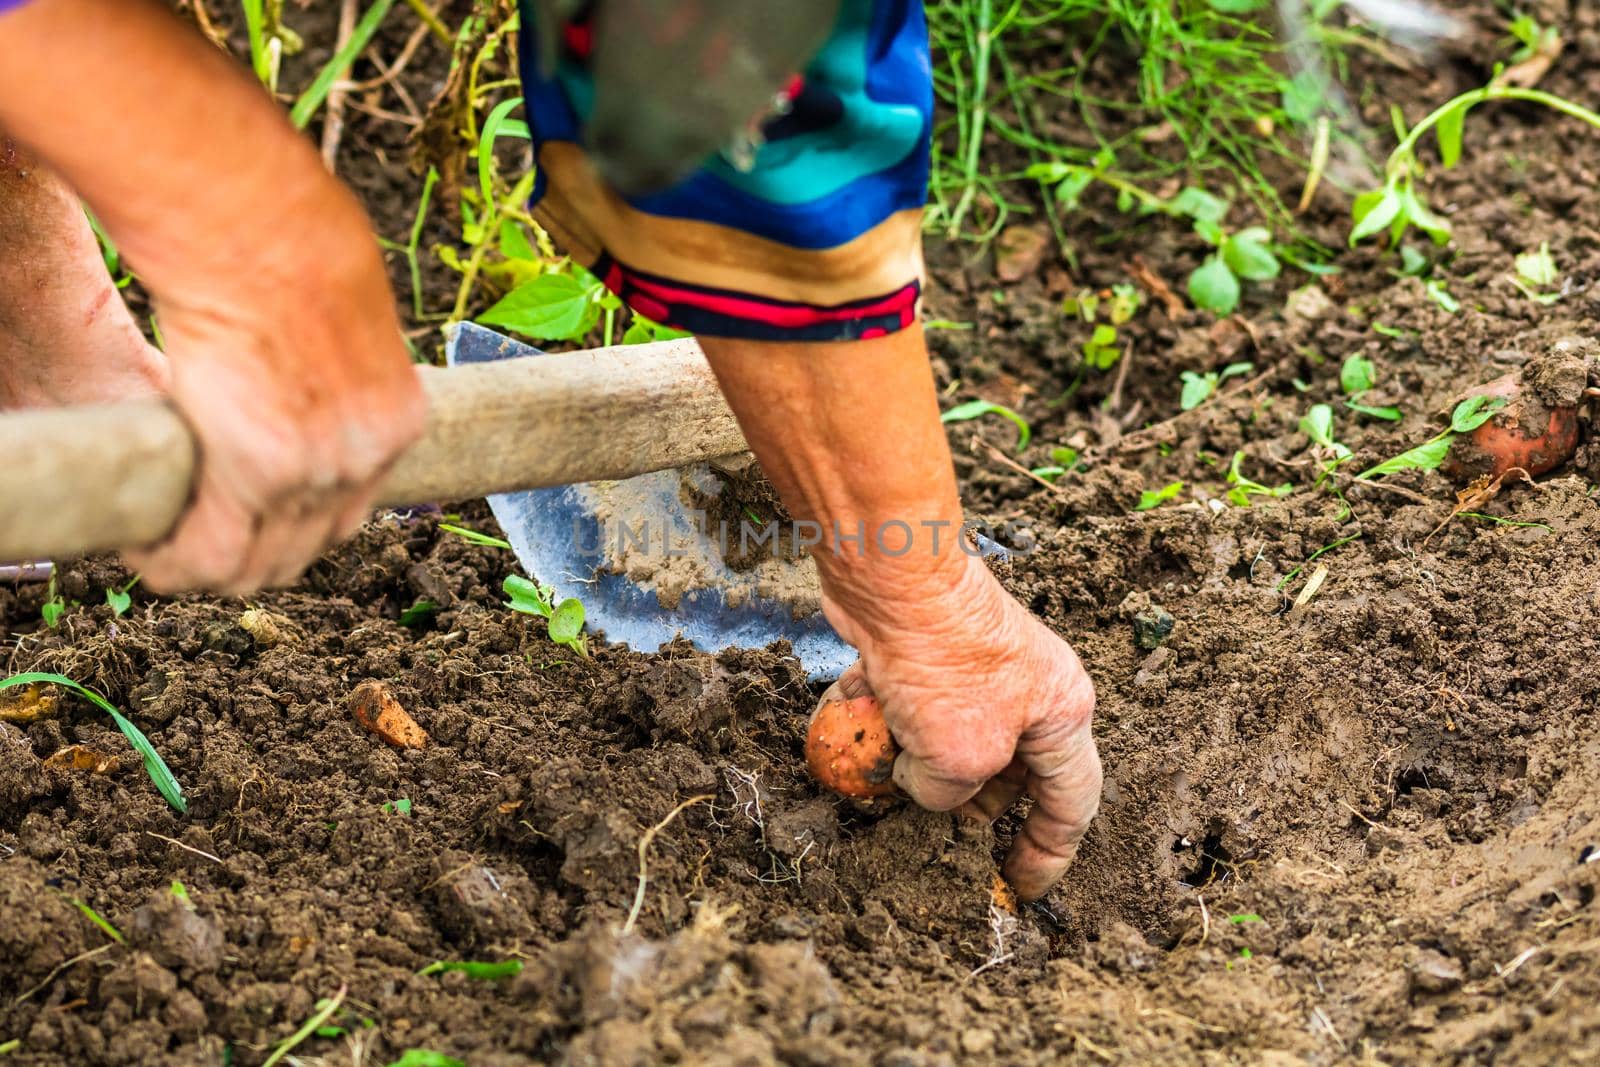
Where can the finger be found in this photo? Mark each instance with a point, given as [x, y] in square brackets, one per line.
[307, 531]
[205, 549]
[998, 793]
[931, 787]
[1065, 784]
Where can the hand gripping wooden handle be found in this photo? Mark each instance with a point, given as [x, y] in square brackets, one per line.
[91, 479]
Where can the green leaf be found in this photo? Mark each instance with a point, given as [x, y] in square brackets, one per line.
[1152, 497]
[1213, 287]
[474, 537]
[1198, 204]
[642, 330]
[120, 601]
[1317, 424]
[1234, 370]
[1237, 7]
[335, 68]
[492, 126]
[1440, 295]
[1474, 411]
[474, 969]
[1358, 374]
[514, 242]
[422, 1057]
[973, 409]
[1196, 387]
[1387, 412]
[1425, 457]
[154, 765]
[1449, 130]
[528, 597]
[52, 610]
[1417, 212]
[566, 622]
[420, 609]
[1210, 232]
[1067, 457]
[1374, 212]
[1538, 267]
[551, 307]
[1248, 256]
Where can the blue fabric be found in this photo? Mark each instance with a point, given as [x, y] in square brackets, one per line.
[852, 151]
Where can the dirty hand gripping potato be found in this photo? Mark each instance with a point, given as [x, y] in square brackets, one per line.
[849, 748]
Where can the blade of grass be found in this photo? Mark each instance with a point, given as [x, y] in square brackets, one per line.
[306, 106]
[154, 765]
[95, 917]
[324, 1012]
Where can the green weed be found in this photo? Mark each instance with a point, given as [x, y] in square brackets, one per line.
[154, 765]
[120, 598]
[55, 605]
[474, 969]
[1467, 416]
[1536, 272]
[1197, 388]
[1151, 498]
[420, 610]
[8, 1047]
[325, 1009]
[309, 101]
[1062, 460]
[1357, 376]
[99, 920]
[1397, 205]
[397, 807]
[973, 409]
[421, 1057]
[1244, 488]
[474, 537]
[564, 619]
[1120, 303]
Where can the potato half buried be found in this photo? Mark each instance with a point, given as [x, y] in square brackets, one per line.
[1537, 430]
[849, 748]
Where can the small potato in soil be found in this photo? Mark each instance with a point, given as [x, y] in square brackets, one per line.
[849, 748]
[1529, 433]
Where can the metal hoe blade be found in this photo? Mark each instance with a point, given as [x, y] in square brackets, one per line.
[563, 537]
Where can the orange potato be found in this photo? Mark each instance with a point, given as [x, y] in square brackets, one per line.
[849, 748]
[375, 708]
[1526, 434]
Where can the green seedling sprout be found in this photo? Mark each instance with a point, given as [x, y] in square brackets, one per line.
[1197, 388]
[325, 1009]
[1358, 375]
[397, 807]
[1102, 350]
[1243, 488]
[1468, 415]
[1536, 272]
[973, 409]
[54, 606]
[99, 920]
[1397, 205]
[120, 599]
[154, 765]
[564, 620]
[1246, 256]
[8, 1047]
[487, 972]
[1329, 547]
[422, 1057]
[474, 537]
[312, 99]
[1151, 498]
[1062, 460]
[418, 612]
[1500, 521]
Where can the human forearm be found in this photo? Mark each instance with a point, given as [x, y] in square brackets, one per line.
[179, 153]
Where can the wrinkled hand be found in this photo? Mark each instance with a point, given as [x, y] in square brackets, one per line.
[986, 704]
[300, 393]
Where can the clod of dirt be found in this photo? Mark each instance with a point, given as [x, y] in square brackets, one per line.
[477, 902]
[267, 629]
[176, 936]
[1434, 972]
[140, 980]
[377, 709]
[40, 929]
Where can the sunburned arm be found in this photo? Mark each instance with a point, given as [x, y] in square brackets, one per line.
[285, 350]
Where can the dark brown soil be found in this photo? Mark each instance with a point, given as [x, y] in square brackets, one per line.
[1360, 827]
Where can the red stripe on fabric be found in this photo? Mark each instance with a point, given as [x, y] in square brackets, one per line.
[774, 314]
[579, 38]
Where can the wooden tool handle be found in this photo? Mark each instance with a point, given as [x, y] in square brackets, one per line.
[82, 480]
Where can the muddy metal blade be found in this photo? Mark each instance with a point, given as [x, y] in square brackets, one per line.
[565, 537]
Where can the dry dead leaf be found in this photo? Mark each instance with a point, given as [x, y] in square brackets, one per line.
[83, 758]
[27, 704]
[375, 708]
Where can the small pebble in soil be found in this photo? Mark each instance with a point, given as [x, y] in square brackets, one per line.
[1152, 626]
